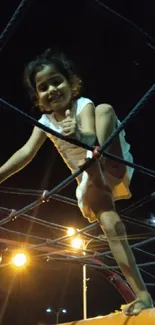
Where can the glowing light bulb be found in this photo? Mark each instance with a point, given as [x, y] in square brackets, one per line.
[19, 259]
[48, 310]
[71, 231]
[77, 242]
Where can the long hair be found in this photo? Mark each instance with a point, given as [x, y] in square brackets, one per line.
[61, 63]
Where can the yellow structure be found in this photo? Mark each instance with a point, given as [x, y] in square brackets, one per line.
[146, 317]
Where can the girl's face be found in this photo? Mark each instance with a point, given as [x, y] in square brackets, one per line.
[53, 90]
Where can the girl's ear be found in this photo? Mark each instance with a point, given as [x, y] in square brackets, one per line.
[76, 86]
[41, 108]
[38, 105]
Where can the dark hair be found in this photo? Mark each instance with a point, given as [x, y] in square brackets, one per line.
[62, 64]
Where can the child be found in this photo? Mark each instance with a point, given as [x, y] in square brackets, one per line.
[55, 88]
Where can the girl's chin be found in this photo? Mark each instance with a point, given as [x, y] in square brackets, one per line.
[53, 109]
[55, 106]
[47, 111]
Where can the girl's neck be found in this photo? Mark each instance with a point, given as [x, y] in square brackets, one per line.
[59, 116]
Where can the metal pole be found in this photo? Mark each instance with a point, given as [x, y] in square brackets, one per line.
[84, 290]
[57, 317]
[84, 269]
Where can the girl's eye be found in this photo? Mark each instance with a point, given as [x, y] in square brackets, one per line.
[43, 88]
[56, 81]
[53, 82]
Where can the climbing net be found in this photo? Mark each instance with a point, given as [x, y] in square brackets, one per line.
[59, 248]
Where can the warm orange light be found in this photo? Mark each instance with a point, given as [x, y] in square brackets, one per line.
[77, 242]
[71, 231]
[19, 260]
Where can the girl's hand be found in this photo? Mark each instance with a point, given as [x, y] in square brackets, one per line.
[68, 124]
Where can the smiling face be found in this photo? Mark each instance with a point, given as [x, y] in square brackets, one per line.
[53, 91]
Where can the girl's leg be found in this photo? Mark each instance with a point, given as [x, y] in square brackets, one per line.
[105, 122]
[112, 225]
[115, 232]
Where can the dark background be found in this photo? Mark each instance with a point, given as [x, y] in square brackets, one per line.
[116, 64]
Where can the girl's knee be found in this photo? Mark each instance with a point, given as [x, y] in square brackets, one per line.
[104, 109]
[99, 205]
[112, 224]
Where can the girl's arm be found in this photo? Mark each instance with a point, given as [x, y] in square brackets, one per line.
[24, 155]
[88, 132]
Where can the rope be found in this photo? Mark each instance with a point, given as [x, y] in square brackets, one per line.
[56, 226]
[139, 265]
[14, 22]
[32, 192]
[132, 207]
[144, 242]
[4, 37]
[138, 168]
[33, 121]
[128, 119]
[58, 240]
[147, 273]
[46, 242]
[22, 234]
[47, 195]
[129, 22]
[49, 242]
[139, 203]
[66, 257]
[137, 222]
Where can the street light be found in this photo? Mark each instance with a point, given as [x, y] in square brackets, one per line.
[19, 260]
[152, 219]
[48, 310]
[56, 312]
[79, 243]
[71, 231]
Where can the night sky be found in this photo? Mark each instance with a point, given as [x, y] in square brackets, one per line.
[116, 63]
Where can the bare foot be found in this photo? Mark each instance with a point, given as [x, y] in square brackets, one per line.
[141, 303]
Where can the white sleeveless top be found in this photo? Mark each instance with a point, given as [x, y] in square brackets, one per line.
[71, 154]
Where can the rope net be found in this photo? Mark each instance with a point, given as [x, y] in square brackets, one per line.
[98, 255]
[91, 258]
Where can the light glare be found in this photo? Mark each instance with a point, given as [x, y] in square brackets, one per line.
[48, 310]
[77, 242]
[19, 259]
[151, 220]
[71, 231]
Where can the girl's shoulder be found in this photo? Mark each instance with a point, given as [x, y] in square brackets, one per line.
[47, 120]
[81, 103]
[44, 120]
